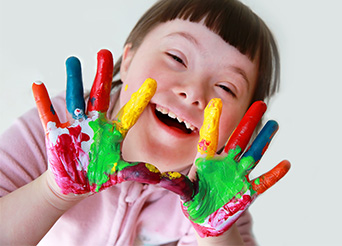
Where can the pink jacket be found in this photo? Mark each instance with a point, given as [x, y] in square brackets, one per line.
[127, 214]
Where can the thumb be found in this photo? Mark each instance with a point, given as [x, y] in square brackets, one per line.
[179, 184]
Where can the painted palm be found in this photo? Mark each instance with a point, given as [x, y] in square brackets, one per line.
[220, 190]
[84, 153]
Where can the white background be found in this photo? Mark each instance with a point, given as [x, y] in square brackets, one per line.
[303, 209]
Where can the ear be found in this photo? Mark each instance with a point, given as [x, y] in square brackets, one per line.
[127, 57]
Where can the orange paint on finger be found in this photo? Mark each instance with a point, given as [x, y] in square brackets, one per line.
[263, 183]
[44, 105]
[207, 143]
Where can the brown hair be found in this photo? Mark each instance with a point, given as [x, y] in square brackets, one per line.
[230, 19]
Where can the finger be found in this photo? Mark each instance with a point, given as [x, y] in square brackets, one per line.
[207, 144]
[179, 184]
[130, 113]
[142, 173]
[45, 108]
[99, 94]
[261, 143]
[265, 181]
[74, 92]
[242, 134]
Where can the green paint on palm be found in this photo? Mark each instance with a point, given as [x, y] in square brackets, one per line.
[105, 154]
[220, 179]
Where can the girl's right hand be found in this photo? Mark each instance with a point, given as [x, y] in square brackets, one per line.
[84, 153]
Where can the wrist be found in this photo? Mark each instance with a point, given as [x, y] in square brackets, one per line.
[53, 195]
[230, 237]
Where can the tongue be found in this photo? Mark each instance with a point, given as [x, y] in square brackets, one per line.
[174, 123]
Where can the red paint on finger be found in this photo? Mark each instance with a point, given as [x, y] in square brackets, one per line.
[99, 95]
[68, 161]
[242, 134]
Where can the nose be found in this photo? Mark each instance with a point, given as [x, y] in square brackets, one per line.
[192, 93]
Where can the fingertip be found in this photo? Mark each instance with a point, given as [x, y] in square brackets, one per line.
[215, 104]
[259, 105]
[104, 53]
[73, 68]
[151, 84]
[72, 60]
[36, 85]
[37, 82]
[105, 61]
[72, 63]
[281, 169]
[285, 165]
[39, 89]
[269, 130]
[274, 124]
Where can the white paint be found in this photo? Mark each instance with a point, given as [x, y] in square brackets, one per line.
[37, 36]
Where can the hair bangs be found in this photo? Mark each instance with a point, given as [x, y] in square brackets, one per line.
[234, 23]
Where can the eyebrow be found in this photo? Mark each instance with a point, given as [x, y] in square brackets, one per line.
[185, 35]
[242, 73]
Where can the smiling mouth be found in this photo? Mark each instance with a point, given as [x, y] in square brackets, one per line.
[172, 120]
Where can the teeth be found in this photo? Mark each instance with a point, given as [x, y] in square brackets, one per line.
[189, 126]
[180, 119]
[174, 116]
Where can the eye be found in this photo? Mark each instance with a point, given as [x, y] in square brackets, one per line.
[177, 59]
[227, 89]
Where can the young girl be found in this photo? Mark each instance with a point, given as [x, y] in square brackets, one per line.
[195, 50]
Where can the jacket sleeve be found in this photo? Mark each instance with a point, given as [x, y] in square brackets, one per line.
[244, 224]
[22, 149]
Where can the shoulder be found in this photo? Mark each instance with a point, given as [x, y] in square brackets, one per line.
[22, 149]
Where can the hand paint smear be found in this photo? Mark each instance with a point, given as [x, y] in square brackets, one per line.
[220, 180]
[105, 156]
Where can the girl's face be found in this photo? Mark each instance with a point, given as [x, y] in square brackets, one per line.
[191, 65]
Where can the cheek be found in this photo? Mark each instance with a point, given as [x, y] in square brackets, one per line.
[125, 95]
[228, 123]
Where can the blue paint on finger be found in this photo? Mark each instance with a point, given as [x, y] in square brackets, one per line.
[260, 144]
[52, 109]
[74, 92]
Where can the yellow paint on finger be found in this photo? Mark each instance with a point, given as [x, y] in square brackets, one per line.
[207, 143]
[129, 114]
[114, 167]
[151, 168]
[172, 175]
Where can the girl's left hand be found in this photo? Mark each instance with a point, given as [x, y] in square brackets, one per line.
[218, 189]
